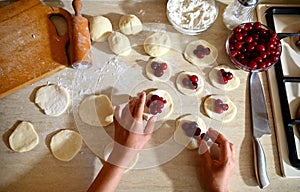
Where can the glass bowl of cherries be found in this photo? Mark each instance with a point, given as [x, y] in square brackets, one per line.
[253, 47]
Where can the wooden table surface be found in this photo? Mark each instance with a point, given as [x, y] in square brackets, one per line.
[38, 170]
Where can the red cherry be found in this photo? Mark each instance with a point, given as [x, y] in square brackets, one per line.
[250, 47]
[258, 59]
[248, 26]
[158, 73]
[193, 78]
[260, 48]
[160, 104]
[186, 82]
[248, 39]
[234, 53]
[257, 25]
[200, 55]
[219, 109]
[252, 64]
[239, 36]
[206, 51]
[225, 107]
[185, 126]
[155, 97]
[154, 65]
[200, 47]
[238, 45]
[263, 55]
[262, 65]
[197, 132]
[237, 29]
[218, 102]
[163, 66]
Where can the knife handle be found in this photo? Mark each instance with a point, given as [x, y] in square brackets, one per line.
[260, 164]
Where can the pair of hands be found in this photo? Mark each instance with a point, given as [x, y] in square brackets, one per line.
[131, 136]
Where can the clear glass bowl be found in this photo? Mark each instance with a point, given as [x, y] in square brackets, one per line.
[191, 17]
[250, 54]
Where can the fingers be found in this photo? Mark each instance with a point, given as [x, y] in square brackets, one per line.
[150, 125]
[139, 108]
[117, 115]
[226, 148]
[203, 151]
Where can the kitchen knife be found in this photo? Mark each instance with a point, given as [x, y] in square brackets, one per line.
[261, 127]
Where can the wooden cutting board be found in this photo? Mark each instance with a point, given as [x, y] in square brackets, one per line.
[30, 47]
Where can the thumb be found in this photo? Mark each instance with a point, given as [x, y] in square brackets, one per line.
[150, 125]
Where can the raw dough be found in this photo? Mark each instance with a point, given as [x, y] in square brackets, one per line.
[65, 144]
[226, 116]
[100, 28]
[157, 44]
[130, 25]
[107, 151]
[96, 110]
[179, 135]
[150, 72]
[168, 108]
[119, 44]
[188, 91]
[206, 60]
[52, 99]
[24, 138]
[214, 78]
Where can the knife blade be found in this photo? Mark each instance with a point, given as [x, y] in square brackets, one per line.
[261, 127]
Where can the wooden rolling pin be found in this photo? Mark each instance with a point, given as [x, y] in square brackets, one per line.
[80, 43]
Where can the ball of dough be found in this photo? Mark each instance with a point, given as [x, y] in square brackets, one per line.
[23, 138]
[180, 136]
[157, 44]
[119, 44]
[96, 110]
[65, 144]
[52, 99]
[185, 90]
[100, 28]
[214, 77]
[130, 25]
[150, 72]
[190, 56]
[107, 151]
[168, 107]
[225, 116]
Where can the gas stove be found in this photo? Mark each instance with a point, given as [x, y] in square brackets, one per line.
[284, 84]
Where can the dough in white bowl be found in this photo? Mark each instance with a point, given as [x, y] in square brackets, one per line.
[119, 44]
[150, 72]
[181, 137]
[96, 110]
[100, 28]
[186, 90]
[65, 144]
[190, 56]
[168, 107]
[23, 138]
[157, 44]
[214, 77]
[225, 116]
[130, 24]
[52, 99]
[107, 151]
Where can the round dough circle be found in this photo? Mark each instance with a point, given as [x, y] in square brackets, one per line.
[119, 44]
[150, 72]
[23, 138]
[130, 25]
[226, 116]
[96, 110]
[168, 107]
[52, 99]
[100, 28]
[179, 135]
[206, 60]
[65, 144]
[107, 151]
[188, 91]
[214, 78]
[157, 44]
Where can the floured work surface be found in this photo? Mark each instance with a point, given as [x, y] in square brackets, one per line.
[30, 47]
